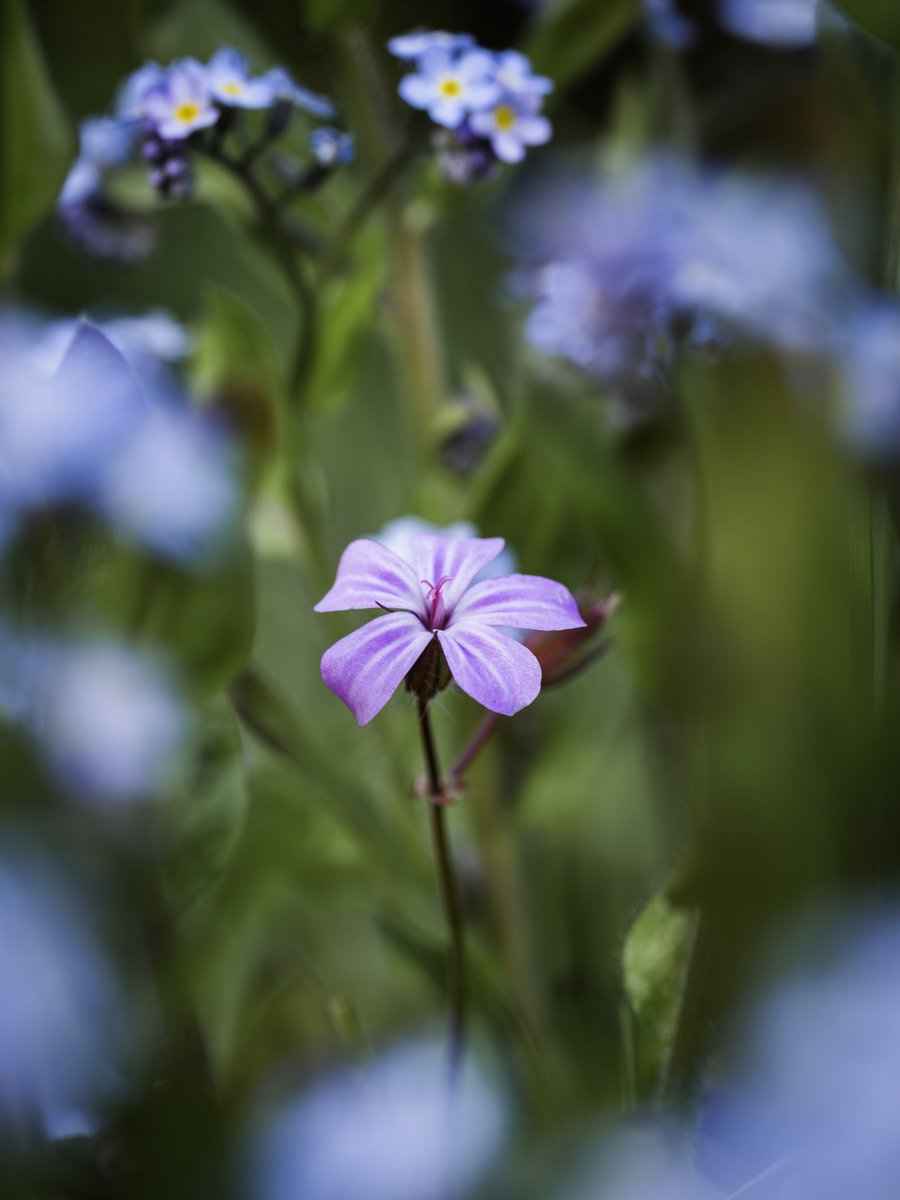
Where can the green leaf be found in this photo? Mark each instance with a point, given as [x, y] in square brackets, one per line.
[232, 344]
[205, 621]
[204, 818]
[36, 141]
[575, 34]
[872, 17]
[653, 964]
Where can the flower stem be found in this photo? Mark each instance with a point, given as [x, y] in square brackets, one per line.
[379, 186]
[489, 723]
[449, 892]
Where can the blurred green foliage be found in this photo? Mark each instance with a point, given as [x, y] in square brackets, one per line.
[630, 845]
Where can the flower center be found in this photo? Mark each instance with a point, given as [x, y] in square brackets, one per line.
[505, 117]
[436, 612]
[233, 89]
[450, 87]
[187, 112]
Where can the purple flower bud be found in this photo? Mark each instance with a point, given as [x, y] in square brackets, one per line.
[153, 149]
[175, 168]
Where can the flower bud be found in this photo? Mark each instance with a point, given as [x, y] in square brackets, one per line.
[430, 674]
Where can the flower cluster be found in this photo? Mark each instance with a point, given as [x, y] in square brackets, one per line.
[630, 274]
[664, 257]
[778, 24]
[489, 103]
[165, 114]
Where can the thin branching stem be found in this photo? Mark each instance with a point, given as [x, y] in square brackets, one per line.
[286, 254]
[378, 187]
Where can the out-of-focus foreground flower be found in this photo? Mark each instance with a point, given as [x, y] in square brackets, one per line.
[389, 1131]
[96, 435]
[62, 1016]
[632, 266]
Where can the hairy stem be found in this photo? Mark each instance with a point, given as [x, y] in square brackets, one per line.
[286, 254]
[285, 251]
[449, 892]
[379, 186]
[489, 723]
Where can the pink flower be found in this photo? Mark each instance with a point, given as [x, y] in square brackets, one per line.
[433, 603]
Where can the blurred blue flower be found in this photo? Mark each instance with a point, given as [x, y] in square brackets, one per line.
[158, 472]
[132, 96]
[183, 103]
[106, 141]
[814, 1111]
[228, 78]
[784, 24]
[759, 254]
[61, 1005]
[661, 257]
[284, 88]
[172, 485]
[331, 147]
[55, 447]
[84, 180]
[514, 73]
[870, 374]
[153, 335]
[98, 226]
[512, 125]
[410, 46]
[398, 535]
[146, 340]
[89, 216]
[450, 86]
[107, 719]
[608, 259]
[669, 25]
[388, 1132]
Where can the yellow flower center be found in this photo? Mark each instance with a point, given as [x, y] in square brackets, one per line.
[450, 87]
[233, 89]
[505, 117]
[187, 112]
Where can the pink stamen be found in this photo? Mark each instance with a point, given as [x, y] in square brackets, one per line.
[434, 595]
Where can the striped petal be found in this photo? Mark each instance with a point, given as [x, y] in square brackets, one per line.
[371, 576]
[489, 666]
[457, 560]
[366, 668]
[520, 602]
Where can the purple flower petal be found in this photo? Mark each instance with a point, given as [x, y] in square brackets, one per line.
[447, 112]
[520, 602]
[508, 147]
[534, 131]
[416, 91]
[370, 575]
[366, 668]
[457, 560]
[493, 669]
